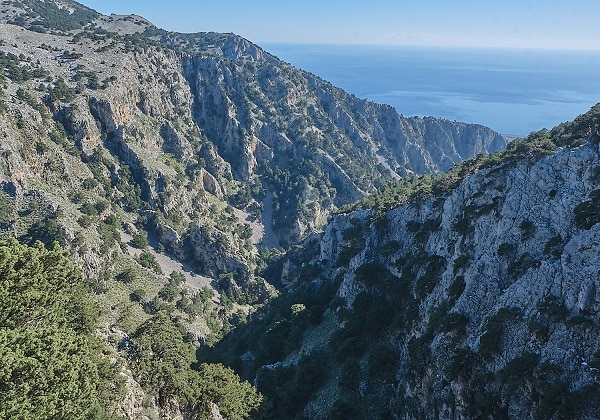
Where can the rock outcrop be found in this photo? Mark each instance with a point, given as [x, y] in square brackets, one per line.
[498, 279]
[479, 300]
[217, 109]
[469, 295]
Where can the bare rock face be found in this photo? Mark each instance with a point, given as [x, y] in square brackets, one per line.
[219, 110]
[313, 124]
[201, 139]
[509, 244]
[211, 184]
[196, 139]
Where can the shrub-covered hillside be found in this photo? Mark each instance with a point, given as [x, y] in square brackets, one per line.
[470, 294]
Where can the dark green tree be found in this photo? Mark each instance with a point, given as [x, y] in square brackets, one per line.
[51, 365]
[163, 364]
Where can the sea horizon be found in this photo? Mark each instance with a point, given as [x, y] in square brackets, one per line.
[511, 90]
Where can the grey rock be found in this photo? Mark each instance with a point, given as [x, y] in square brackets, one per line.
[496, 201]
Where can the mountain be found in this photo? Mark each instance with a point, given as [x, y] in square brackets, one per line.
[260, 126]
[205, 141]
[472, 294]
[204, 186]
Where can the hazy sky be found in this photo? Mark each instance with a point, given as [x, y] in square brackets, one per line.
[560, 24]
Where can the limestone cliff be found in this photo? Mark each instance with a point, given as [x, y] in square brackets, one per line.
[161, 162]
[205, 120]
[477, 298]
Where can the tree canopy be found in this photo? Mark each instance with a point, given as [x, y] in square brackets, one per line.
[162, 361]
[51, 365]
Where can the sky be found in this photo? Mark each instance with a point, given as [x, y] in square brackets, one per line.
[547, 24]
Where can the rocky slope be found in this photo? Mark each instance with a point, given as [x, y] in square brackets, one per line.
[206, 141]
[476, 299]
[469, 294]
[262, 122]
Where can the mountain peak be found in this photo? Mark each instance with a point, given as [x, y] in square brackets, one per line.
[57, 16]
[123, 24]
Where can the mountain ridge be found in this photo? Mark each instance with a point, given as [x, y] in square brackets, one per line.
[195, 147]
[478, 299]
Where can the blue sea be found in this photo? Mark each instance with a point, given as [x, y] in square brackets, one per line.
[512, 91]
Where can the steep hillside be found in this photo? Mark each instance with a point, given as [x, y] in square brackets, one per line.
[476, 298]
[174, 168]
[208, 152]
[250, 127]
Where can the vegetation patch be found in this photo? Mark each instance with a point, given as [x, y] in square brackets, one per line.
[554, 246]
[48, 321]
[587, 214]
[519, 267]
[491, 339]
[527, 229]
[552, 307]
[457, 287]
[506, 249]
[427, 282]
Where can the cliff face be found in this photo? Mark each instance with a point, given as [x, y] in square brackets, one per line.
[478, 300]
[263, 115]
[216, 114]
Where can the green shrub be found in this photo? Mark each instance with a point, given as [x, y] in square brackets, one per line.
[128, 275]
[61, 91]
[540, 330]
[462, 225]
[148, 260]
[580, 321]
[176, 278]
[454, 322]
[554, 246]
[461, 262]
[382, 362]
[371, 274]
[427, 282]
[519, 369]
[506, 249]
[47, 231]
[168, 292]
[587, 214]
[88, 209]
[346, 345]
[527, 229]
[140, 240]
[555, 400]
[413, 226]
[138, 295]
[350, 375]
[343, 410]
[419, 356]
[552, 307]
[311, 375]
[457, 287]
[519, 267]
[110, 236]
[220, 385]
[491, 339]
[390, 248]
[461, 364]
[345, 255]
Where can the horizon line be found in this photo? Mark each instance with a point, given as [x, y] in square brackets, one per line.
[430, 46]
